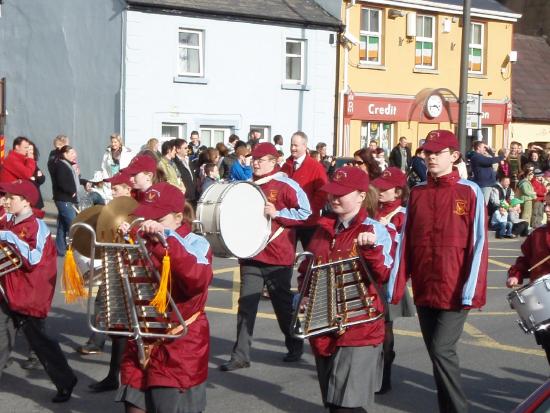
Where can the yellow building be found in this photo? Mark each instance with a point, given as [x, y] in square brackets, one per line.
[399, 71]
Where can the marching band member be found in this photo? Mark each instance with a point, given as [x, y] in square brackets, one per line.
[288, 207]
[535, 249]
[444, 251]
[28, 291]
[393, 194]
[175, 378]
[349, 364]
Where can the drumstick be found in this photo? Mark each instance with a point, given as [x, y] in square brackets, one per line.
[539, 263]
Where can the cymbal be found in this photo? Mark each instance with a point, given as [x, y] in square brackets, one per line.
[82, 239]
[113, 214]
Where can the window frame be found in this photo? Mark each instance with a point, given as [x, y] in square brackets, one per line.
[423, 40]
[182, 129]
[302, 56]
[200, 48]
[480, 46]
[368, 34]
[227, 131]
[365, 138]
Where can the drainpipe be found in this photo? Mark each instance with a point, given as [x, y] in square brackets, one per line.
[342, 147]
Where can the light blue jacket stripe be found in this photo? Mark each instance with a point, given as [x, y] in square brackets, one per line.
[194, 244]
[304, 209]
[33, 256]
[382, 238]
[396, 262]
[469, 289]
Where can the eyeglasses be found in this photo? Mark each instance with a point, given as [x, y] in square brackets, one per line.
[260, 160]
[429, 153]
[358, 163]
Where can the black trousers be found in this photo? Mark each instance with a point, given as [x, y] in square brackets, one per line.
[304, 235]
[47, 349]
[543, 339]
[277, 280]
[441, 330]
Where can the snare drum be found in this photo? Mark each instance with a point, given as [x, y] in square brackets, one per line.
[231, 217]
[532, 304]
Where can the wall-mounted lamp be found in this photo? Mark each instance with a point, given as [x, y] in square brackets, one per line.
[394, 13]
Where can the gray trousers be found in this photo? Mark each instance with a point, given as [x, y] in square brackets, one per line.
[277, 280]
[441, 330]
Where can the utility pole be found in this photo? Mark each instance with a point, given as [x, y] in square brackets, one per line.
[464, 63]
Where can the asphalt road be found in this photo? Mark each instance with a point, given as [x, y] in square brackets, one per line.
[501, 365]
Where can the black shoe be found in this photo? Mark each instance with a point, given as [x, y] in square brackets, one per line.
[64, 395]
[89, 348]
[234, 365]
[32, 363]
[107, 384]
[292, 357]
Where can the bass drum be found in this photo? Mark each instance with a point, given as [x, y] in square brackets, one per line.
[231, 217]
[532, 304]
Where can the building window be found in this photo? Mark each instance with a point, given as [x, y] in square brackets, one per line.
[370, 39]
[190, 53]
[211, 135]
[264, 130]
[425, 42]
[173, 131]
[381, 132]
[295, 61]
[476, 48]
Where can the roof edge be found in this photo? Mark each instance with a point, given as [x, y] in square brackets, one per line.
[163, 9]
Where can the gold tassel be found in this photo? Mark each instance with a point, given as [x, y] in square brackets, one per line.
[160, 301]
[73, 283]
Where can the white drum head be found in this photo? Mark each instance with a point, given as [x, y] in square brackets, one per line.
[242, 224]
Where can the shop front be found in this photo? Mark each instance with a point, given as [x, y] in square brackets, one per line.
[386, 118]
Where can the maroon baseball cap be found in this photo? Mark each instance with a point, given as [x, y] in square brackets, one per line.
[347, 179]
[263, 149]
[119, 179]
[23, 188]
[437, 140]
[160, 200]
[141, 163]
[391, 178]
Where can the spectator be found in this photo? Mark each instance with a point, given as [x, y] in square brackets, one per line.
[58, 142]
[254, 137]
[227, 163]
[326, 160]
[315, 155]
[364, 159]
[167, 166]
[311, 176]
[233, 139]
[460, 165]
[417, 170]
[116, 157]
[183, 165]
[65, 184]
[209, 155]
[526, 193]
[482, 169]
[223, 152]
[500, 222]
[520, 227]
[18, 165]
[281, 158]
[37, 177]
[194, 145]
[151, 148]
[241, 169]
[278, 142]
[539, 187]
[211, 176]
[373, 145]
[100, 193]
[526, 156]
[501, 192]
[513, 160]
[400, 156]
[536, 160]
[380, 157]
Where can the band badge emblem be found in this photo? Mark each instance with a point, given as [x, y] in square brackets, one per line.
[22, 234]
[152, 195]
[273, 194]
[460, 207]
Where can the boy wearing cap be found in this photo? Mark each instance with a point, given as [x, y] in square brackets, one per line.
[444, 251]
[393, 194]
[349, 364]
[520, 227]
[175, 377]
[121, 185]
[500, 222]
[288, 207]
[142, 171]
[27, 292]
[534, 249]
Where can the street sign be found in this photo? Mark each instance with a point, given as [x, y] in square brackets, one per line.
[474, 111]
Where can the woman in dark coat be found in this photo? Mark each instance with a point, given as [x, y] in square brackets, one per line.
[38, 178]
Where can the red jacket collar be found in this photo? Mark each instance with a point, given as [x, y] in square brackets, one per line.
[387, 207]
[328, 222]
[445, 180]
